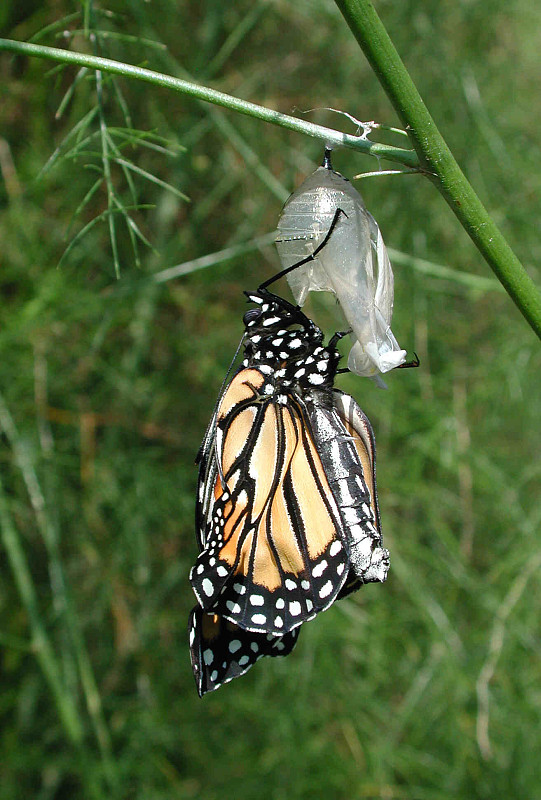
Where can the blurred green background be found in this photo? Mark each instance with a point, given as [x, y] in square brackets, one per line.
[426, 687]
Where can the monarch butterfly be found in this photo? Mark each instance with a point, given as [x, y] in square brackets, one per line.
[287, 515]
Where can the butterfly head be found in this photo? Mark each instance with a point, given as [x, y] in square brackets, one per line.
[283, 342]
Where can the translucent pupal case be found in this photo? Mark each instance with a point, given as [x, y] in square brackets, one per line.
[353, 264]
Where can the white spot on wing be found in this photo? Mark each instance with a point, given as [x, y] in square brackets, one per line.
[320, 568]
[325, 590]
[257, 599]
[335, 547]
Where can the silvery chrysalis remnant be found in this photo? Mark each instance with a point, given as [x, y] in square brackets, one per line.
[354, 264]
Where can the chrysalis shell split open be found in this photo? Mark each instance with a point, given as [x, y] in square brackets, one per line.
[353, 264]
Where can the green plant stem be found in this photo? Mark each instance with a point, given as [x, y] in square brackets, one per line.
[437, 160]
[329, 135]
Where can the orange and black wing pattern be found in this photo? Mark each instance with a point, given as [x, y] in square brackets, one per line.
[273, 555]
[287, 517]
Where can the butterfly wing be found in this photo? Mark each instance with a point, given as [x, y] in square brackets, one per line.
[273, 550]
[206, 458]
[221, 651]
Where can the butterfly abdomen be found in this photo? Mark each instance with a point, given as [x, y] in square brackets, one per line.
[352, 486]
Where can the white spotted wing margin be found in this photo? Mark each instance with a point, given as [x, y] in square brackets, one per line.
[221, 651]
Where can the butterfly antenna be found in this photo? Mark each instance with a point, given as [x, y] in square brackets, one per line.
[334, 223]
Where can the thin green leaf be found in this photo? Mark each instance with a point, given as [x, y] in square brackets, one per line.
[133, 240]
[55, 26]
[245, 25]
[152, 178]
[127, 175]
[138, 233]
[69, 93]
[149, 140]
[100, 218]
[86, 199]
[80, 127]
[122, 102]
[123, 37]
[474, 282]
[80, 235]
[212, 259]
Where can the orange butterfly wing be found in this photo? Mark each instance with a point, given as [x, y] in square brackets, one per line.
[270, 526]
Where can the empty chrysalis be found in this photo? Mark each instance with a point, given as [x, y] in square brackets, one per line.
[353, 264]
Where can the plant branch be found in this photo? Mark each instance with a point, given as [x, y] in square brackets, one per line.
[430, 152]
[437, 160]
[328, 135]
